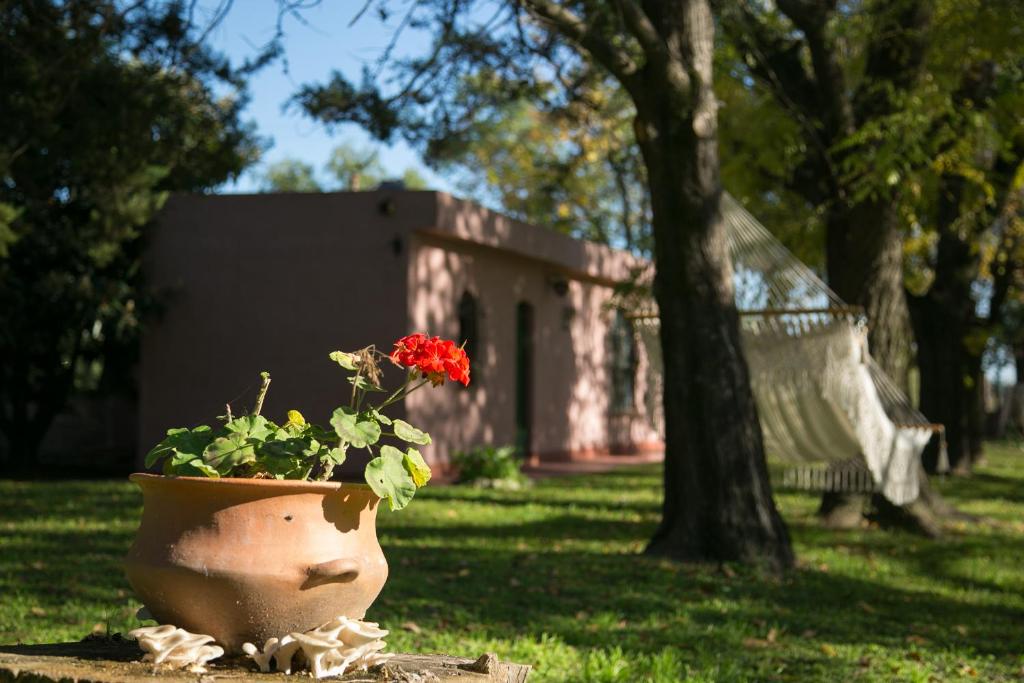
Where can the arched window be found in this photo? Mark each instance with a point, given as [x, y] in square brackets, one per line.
[469, 324]
[623, 353]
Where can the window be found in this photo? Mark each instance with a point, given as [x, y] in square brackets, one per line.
[622, 349]
[469, 321]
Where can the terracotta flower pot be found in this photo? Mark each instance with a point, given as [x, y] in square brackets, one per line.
[244, 560]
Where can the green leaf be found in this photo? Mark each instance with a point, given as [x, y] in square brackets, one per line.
[345, 360]
[188, 465]
[363, 384]
[387, 476]
[406, 432]
[291, 457]
[417, 467]
[286, 468]
[183, 441]
[228, 452]
[354, 428]
[380, 417]
[252, 426]
[336, 455]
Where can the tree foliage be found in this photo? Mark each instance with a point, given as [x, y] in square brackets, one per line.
[575, 167]
[105, 109]
[350, 167]
[290, 175]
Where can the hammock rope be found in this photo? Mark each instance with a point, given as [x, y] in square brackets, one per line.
[829, 414]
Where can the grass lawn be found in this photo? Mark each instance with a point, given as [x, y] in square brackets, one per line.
[552, 577]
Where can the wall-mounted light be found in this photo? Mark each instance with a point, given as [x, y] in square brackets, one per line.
[559, 285]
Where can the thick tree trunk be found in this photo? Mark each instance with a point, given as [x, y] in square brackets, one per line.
[940, 362]
[1015, 421]
[864, 259]
[864, 252]
[943, 321]
[718, 503]
[976, 415]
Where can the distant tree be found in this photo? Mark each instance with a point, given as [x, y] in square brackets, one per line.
[573, 167]
[717, 503]
[351, 167]
[414, 180]
[290, 175]
[105, 108]
[356, 168]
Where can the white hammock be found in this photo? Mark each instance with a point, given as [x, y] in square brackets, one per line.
[827, 411]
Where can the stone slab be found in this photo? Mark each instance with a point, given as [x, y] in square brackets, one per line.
[114, 660]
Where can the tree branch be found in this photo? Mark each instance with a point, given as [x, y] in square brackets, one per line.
[644, 31]
[570, 25]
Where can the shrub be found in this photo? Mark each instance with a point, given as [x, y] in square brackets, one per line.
[491, 467]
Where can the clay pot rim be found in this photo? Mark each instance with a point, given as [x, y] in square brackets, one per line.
[281, 485]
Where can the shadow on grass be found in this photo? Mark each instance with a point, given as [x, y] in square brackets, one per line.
[100, 501]
[639, 603]
[982, 486]
[542, 498]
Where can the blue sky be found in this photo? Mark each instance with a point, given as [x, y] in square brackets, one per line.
[312, 50]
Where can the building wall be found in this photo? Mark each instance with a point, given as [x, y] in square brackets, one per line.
[571, 380]
[277, 281]
[269, 282]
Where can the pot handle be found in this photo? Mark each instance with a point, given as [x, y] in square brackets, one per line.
[342, 570]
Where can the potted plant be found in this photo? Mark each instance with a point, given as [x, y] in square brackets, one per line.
[245, 536]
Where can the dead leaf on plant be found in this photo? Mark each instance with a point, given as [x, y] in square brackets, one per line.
[412, 626]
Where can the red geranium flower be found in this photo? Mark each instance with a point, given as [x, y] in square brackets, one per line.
[434, 357]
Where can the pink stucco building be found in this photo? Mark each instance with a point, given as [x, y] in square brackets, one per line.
[277, 281]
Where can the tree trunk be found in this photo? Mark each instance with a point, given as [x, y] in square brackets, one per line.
[718, 503]
[1015, 422]
[864, 252]
[943, 319]
[864, 259]
[940, 361]
[976, 414]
